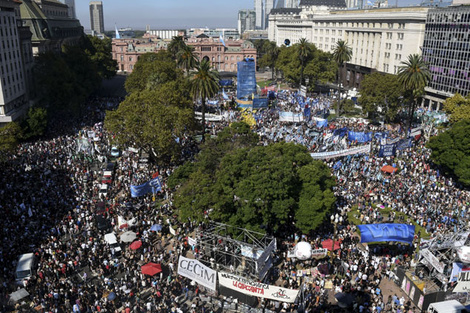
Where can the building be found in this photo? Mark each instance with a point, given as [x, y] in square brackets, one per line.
[96, 17]
[446, 49]
[226, 33]
[50, 25]
[246, 21]
[291, 4]
[380, 38]
[71, 5]
[259, 11]
[166, 33]
[15, 59]
[268, 6]
[126, 52]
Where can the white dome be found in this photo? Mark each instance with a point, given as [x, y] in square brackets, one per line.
[303, 250]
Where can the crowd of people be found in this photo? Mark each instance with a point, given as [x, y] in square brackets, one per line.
[50, 197]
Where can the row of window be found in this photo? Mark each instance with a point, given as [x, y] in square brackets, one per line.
[12, 31]
[327, 32]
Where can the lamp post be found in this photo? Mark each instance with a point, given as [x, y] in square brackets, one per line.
[335, 219]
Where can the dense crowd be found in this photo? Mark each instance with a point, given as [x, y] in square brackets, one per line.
[50, 199]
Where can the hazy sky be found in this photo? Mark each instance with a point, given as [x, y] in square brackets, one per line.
[165, 13]
[173, 13]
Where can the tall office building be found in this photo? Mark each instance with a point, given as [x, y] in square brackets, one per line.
[269, 5]
[446, 49]
[96, 17]
[291, 3]
[259, 11]
[71, 5]
[246, 21]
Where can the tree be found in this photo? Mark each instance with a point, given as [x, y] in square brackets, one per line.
[35, 123]
[100, 52]
[451, 150]
[269, 58]
[341, 54]
[176, 45]
[10, 134]
[154, 119]
[256, 187]
[458, 108]
[187, 59]
[414, 75]
[303, 50]
[204, 84]
[319, 66]
[152, 69]
[380, 95]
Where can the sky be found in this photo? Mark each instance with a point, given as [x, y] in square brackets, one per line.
[165, 14]
[171, 14]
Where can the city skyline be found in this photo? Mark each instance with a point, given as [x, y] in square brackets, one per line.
[161, 14]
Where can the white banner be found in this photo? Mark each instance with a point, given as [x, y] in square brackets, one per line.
[340, 153]
[172, 231]
[191, 241]
[291, 117]
[432, 260]
[256, 289]
[195, 270]
[319, 253]
[463, 282]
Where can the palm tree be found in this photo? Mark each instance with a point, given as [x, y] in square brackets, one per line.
[271, 49]
[176, 45]
[186, 58]
[303, 51]
[204, 84]
[414, 75]
[341, 54]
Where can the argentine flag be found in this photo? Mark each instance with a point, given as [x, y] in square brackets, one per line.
[221, 38]
[224, 95]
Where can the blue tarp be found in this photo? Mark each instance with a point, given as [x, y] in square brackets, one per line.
[359, 136]
[387, 232]
[260, 103]
[153, 186]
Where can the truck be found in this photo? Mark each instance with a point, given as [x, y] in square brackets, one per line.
[449, 306]
[25, 268]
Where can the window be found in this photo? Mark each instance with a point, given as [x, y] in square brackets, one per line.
[205, 48]
[390, 25]
[389, 35]
[399, 46]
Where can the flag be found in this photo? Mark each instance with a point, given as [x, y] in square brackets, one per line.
[118, 36]
[224, 95]
[222, 39]
[154, 185]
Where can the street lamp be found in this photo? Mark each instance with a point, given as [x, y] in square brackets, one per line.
[335, 219]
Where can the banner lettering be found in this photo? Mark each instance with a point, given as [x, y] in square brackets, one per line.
[340, 153]
[195, 270]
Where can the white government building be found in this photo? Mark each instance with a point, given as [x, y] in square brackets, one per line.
[380, 38]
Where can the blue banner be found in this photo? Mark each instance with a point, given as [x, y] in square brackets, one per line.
[260, 103]
[340, 132]
[152, 186]
[404, 143]
[225, 82]
[359, 136]
[307, 113]
[380, 135]
[387, 232]
[387, 150]
[322, 123]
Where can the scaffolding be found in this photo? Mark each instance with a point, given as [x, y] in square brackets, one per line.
[233, 249]
[246, 79]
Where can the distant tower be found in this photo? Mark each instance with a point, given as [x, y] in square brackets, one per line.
[246, 21]
[71, 5]
[280, 4]
[292, 3]
[269, 6]
[96, 17]
[259, 10]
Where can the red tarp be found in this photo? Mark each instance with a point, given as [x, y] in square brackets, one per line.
[151, 269]
[389, 169]
[328, 243]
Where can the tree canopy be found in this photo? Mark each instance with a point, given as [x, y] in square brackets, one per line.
[158, 110]
[319, 65]
[255, 187]
[458, 108]
[451, 150]
[10, 134]
[381, 95]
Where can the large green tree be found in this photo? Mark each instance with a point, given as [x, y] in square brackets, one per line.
[269, 58]
[152, 69]
[342, 54]
[255, 187]
[319, 66]
[414, 75]
[100, 52]
[304, 50]
[10, 135]
[457, 107]
[204, 85]
[380, 95]
[451, 150]
[176, 45]
[187, 59]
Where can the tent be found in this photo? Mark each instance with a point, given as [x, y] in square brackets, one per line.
[328, 243]
[389, 169]
[18, 295]
[151, 269]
